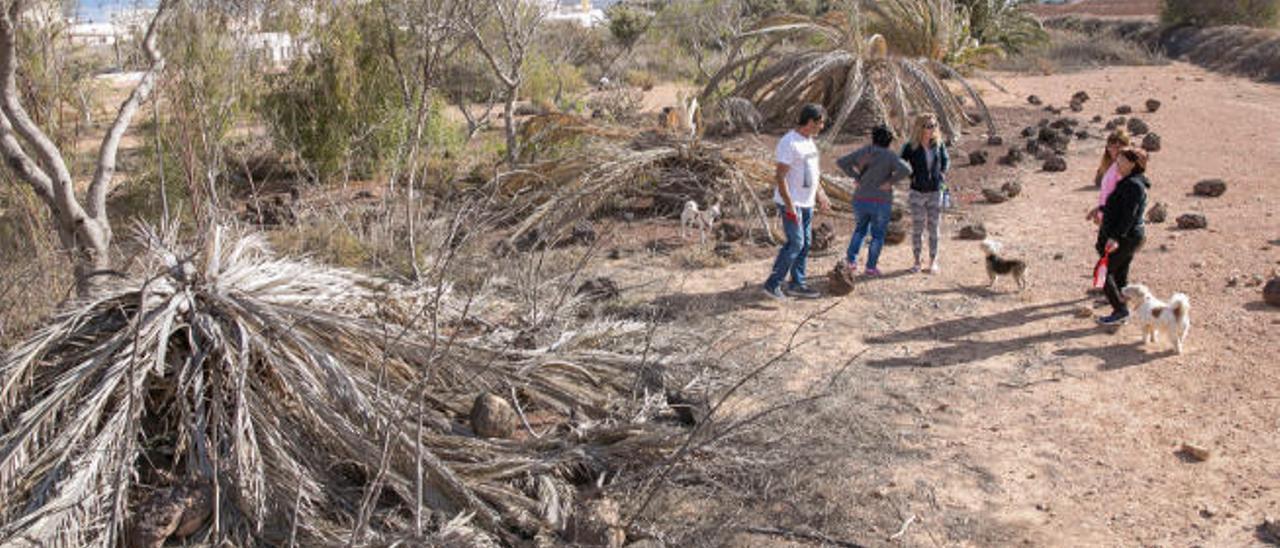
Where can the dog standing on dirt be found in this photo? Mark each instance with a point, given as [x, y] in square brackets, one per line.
[1173, 318]
[999, 266]
[703, 220]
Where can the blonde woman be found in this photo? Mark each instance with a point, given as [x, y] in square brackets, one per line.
[1108, 171]
[927, 155]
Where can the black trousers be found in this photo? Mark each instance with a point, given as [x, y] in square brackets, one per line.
[1118, 271]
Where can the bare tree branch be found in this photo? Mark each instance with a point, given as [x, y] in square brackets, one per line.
[36, 160]
[106, 168]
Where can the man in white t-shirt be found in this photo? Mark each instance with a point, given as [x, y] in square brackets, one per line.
[797, 190]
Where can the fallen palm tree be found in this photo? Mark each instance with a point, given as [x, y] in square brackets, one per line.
[656, 171]
[226, 395]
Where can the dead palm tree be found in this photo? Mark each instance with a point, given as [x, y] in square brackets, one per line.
[891, 74]
[228, 395]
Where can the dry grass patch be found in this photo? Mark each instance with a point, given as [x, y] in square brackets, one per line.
[1070, 51]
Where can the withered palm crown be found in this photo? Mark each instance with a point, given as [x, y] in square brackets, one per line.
[851, 68]
[264, 381]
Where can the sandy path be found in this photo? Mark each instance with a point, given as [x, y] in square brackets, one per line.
[1028, 424]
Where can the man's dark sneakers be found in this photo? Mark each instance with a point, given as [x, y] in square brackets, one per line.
[803, 292]
[1117, 318]
[774, 293]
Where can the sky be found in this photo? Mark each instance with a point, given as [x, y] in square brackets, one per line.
[97, 10]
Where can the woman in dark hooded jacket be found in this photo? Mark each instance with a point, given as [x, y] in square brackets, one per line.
[1122, 233]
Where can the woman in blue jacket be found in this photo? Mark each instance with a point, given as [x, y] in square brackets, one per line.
[927, 155]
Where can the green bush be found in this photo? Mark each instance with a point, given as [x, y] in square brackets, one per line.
[546, 82]
[640, 78]
[628, 24]
[344, 109]
[1206, 13]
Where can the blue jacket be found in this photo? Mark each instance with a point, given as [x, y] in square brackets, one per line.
[924, 179]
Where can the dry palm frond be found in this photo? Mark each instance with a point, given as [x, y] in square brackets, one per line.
[737, 115]
[546, 131]
[869, 80]
[261, 383]
[665, 172]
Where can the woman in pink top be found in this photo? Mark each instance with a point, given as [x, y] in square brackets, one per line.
[1108, 174]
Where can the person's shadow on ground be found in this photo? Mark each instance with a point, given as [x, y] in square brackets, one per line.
[1119, 356]
[962, 350]
[972, 325]
[698, 305]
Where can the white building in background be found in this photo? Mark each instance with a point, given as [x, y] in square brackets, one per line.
[581, 13]
[278, 49]
[95, 34]
[121, 25]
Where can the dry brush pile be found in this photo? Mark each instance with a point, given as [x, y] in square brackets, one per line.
[615, 169]
[223, 394]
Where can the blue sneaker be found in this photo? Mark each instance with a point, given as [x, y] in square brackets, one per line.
[1118, 318]
[803, 292]
[774, 293]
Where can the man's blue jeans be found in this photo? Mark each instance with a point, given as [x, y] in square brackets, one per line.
[795, 253]
[870, 217]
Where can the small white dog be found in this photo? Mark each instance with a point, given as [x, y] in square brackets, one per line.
[703, 220]
[1155, 316]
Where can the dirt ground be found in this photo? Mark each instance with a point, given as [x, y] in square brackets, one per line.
[1146, 9]
[1002, 418]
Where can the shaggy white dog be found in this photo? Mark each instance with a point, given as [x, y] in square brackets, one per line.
[1173, 318]
[703, 220]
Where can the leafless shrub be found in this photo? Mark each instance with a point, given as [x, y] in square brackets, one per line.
[618, 105]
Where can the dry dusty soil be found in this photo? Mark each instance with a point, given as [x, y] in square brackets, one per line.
[995, 418]
[1101, 8]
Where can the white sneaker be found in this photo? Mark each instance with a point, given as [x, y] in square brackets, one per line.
[933, 267]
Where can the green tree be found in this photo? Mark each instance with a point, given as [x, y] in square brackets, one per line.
[343, 109]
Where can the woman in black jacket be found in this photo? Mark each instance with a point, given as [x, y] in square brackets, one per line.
[926, 152]
[1122, 232]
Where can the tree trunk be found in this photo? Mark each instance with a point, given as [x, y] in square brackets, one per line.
[510, 111]
[83, 227]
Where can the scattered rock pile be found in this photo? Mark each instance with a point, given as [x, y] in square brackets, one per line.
[1137, 126]
[1271, 292]
[1210, 188]
[1151, 143]
[1013, 157]
[1158, 213]
[492, 417]
[976, 231]
[1055, 164]
[1192, 221]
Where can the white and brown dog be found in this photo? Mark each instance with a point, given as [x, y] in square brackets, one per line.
[1002, 266]
[703, 220]
[1173, 318]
